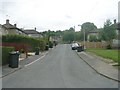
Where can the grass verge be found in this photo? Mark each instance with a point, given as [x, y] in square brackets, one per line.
[105, 53]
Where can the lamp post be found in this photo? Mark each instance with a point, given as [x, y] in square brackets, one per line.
[83, 35]
[74, 33]
[118, 28]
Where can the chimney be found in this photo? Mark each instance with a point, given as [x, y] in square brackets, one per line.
[15, 25]
[35, 28]
[115, 21]
[7, 21]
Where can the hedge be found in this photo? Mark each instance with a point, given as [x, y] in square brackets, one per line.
[33, 42]
[5, 54]
[50, 44]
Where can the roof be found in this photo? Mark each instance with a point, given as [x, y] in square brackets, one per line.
[2, 26]
[31, 31]
[10, 26]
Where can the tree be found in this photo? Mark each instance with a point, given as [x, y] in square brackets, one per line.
[69, 35]
[87, 27]
[108, 33]
[78, 36]
[93, 38]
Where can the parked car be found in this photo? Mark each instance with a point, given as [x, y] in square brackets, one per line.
[74, 46]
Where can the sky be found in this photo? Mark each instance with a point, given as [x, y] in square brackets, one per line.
[57, 14]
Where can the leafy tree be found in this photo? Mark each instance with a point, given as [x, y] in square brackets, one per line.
[78, 36]
[87, 27]
[69, 35]
[108, 33]
[93, 38]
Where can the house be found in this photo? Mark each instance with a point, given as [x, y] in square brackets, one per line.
[11, 29]
[3, 30]
[33, 33]
[55, 38]
[116, 41]
[93, 33]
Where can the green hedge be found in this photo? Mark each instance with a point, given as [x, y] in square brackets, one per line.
[5, 54]
[50, 44]
[42, 44]
[33, 42]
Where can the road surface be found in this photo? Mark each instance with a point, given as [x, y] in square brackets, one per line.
[60, 68]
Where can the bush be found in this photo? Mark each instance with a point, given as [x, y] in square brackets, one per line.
[50, 44]
[42, 44]
[5, 54]
[33, 42]
[109, 46]
[93, 38]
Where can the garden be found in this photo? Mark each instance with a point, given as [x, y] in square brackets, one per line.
[23, 44]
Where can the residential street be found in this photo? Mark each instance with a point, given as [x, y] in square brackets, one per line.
[60, 68]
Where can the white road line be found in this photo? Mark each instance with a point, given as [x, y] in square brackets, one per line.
[35, 61]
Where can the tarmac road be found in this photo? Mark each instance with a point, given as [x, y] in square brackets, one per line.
[60, 68]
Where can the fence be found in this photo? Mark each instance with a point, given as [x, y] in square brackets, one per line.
[94, 44]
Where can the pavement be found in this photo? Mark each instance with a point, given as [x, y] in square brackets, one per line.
[6, 70]
[100, 65]
[61, 68]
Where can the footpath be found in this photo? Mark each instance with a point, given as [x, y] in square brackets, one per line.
[6, 70]
[98, 64]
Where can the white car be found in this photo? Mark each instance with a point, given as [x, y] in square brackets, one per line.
[74, 46]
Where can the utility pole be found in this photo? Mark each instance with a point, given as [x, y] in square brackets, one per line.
[74, 33]
[74, 27]
[83, 36]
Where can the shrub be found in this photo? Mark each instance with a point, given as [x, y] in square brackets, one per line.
[5, 54]
[33, 42]
[50, 44]
[109, 46]
[93, 38]
[42, 44]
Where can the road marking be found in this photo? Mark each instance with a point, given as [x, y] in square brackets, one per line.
[35, 61]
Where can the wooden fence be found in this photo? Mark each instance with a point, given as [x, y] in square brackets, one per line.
[94, 44]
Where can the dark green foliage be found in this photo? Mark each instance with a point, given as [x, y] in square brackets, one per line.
[42, 44]
[93, 38]
[109, 47]
[108, 33]
[78, 36]
[5, 54]
[33, 42]
[87, 27]
[50, 44]
[69, 35]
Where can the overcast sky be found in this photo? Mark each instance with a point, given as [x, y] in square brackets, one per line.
[57, 14]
